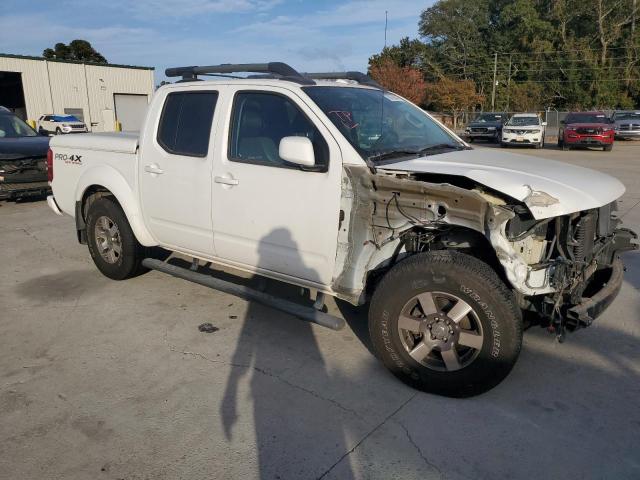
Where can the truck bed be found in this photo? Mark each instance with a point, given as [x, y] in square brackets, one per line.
[106, 142]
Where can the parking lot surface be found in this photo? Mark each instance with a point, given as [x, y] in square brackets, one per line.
[104, 379]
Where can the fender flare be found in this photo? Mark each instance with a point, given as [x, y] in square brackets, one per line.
[111, 179]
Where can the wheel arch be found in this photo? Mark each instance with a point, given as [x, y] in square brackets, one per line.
[457, 238]
[103, 181]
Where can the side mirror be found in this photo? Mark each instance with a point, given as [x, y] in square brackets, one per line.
[298, 150]
[544, 124]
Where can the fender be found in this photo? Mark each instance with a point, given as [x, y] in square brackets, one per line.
[111, 179]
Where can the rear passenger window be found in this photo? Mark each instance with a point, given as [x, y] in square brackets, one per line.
[185, 123]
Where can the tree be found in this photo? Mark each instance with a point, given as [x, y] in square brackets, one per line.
[79, 50]
[566, 54]
[405, 81]
[408, 53]
[453, 96]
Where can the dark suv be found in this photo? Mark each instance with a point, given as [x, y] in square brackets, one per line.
[487, 126]
[23, 159]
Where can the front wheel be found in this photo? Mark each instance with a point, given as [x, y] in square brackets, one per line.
[608, 148]
[443, 322]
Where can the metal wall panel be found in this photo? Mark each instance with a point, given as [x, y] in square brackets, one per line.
[50, 87]
[35, 84]
[104, 82]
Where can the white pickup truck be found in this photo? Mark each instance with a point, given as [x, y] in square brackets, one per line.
[331, 183]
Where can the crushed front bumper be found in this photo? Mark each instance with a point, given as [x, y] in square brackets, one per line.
[590, 308]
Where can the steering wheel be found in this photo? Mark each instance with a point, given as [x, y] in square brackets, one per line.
[388, 135]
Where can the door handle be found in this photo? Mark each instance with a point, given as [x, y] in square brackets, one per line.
[226, 180]
[153, 168]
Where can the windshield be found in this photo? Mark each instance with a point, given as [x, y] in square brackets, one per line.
[377, 122]
[523, 121]
[64, 118]
[587, 118]
[12, 127]
[489, 117]
[626, 116]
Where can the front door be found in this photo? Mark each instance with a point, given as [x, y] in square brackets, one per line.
[175, 171]
[268, 214]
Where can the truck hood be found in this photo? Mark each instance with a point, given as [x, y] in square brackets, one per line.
[547, 187]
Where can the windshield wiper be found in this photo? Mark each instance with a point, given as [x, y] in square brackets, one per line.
[392, 154]
[442, 146]
[431, 149]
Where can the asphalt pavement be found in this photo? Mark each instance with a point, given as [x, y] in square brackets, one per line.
[113, 380]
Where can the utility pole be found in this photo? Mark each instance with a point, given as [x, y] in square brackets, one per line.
[508, 83]
[385, 28]
[493, 90]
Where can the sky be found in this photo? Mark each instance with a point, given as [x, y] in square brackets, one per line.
[309, 35]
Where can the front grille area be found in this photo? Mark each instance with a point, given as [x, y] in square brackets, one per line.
[479, 130]
[588, 131]
[630, 127]
[584, 237]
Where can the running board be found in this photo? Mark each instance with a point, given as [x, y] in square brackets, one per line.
[302, 312]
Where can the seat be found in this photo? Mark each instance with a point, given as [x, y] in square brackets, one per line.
[253, 141]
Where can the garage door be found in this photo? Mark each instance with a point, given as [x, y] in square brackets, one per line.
[130, 110]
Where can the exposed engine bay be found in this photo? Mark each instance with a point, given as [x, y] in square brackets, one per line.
[555, 265]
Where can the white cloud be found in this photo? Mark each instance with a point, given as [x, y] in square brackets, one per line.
[188, 8]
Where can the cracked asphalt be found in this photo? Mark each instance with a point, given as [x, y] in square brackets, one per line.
[103, 379]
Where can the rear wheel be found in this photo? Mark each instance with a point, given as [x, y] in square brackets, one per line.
[112, 244]
[443, 322]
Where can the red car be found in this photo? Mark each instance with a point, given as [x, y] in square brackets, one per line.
[587, 129]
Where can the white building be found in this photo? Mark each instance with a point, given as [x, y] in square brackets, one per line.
[99, 95]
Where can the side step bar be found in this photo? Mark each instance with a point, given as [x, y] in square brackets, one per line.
[302, 312]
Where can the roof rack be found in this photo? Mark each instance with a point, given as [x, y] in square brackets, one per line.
[359, 77]
[282, 70]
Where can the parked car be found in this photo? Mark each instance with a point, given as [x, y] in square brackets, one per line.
[352, 191]
[23, 152]
[58, 124]
[486, 126]
[524, 129]
[626, 124]
[586, 129]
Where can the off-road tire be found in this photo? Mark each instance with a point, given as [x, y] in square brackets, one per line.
[607, 148]
[129, 262]
[475, 283]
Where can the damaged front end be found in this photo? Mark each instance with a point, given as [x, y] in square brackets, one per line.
[565, 269]
[579, 262]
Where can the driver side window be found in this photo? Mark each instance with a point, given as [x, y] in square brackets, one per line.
[260, 120]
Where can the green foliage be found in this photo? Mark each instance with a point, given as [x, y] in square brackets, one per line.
[565, 54]
[79, 50]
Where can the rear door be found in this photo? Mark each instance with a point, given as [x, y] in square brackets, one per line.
[174, 169]
[269, 215]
